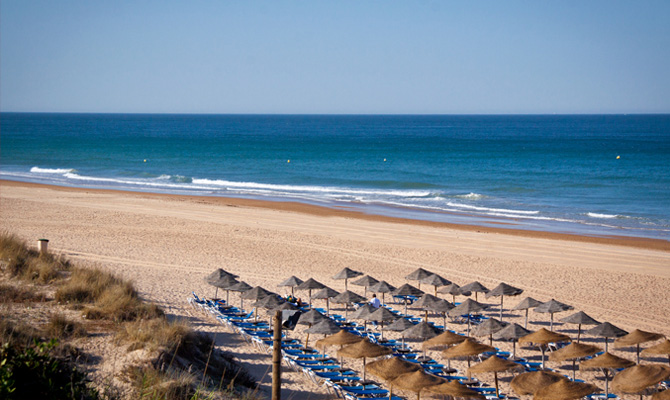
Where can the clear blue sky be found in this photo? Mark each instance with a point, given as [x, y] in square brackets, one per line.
[437, 57]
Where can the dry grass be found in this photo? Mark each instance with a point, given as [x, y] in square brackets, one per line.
[18, 294]
[60, 327]
[155, 334]
[22, 262]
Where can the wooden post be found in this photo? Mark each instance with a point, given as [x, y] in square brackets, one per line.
[276, 357]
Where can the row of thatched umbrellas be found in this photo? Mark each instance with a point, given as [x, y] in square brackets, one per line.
[495, 329]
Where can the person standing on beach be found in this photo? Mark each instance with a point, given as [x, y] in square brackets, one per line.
[374, 301]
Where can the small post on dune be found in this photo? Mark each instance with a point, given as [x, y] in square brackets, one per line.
[276, 357]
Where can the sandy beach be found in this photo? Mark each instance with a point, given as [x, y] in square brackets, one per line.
[166, 244]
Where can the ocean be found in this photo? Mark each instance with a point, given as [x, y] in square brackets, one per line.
[597, 175]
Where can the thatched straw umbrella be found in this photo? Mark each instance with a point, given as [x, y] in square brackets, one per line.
[347, 297]
[256, 293]
[635, 338]
[417, 275]
[454, 389]
[664, 395]
[436, 281]
[382, 287]
[580, 318]
[454, 290]
[240, 287]
[468, 307]
[416, 381]
[662, 348]
[364, 349]
[606, 330]
[291, 282]
[526, 304]
[345, 274]
[552, 307]
[407, 290]
[573, 352]
[503, 290]
[488, 327]
[400, 325]
[310, 318]
[309, 285]
[325, 327]
[390, 368]
[340, 338]
[443, 341]
[425, 301]
[530, 382]
[440, 306]
[542, 338]
[635, 379]
[474, 287]
[381, 315]
[566, 390]
[221, 279]
[606, 362]
[511, 332]
[326, 293]
[422, 331]
[365, 281]
[363, 312]
[494, 364]
[467, 349]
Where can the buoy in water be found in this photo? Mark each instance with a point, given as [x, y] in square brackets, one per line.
[288, 161]
[145, 160]
[618, 157]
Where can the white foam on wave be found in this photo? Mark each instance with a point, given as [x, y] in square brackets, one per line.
[605, 216]
[38, 170]
[492, 210]
[470, 196]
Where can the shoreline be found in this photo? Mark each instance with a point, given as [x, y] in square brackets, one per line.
[322, 211]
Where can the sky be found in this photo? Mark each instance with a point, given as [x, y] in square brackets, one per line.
[335, 57]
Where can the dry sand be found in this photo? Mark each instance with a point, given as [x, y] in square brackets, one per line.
[167, 244]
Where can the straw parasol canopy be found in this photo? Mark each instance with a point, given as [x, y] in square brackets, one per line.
[542, 338]
[455, 389]
[606, 330]
[494, 364]
[390, 368]
[283, 306]
[552, 306]
[503, 290]
[565, 390]
[418, 274]
[664, 395]
[635, 338]
[416, 381]
[488, 327]
[326, 293]
[444, 339]
[466, 348]
[606, 362]
[399, 325]
[407, 290]
[364, 349]
[340, 338]
[526, 304]
[311, 317]
[454, 290]
[511, 332]
[309, 285]
[256, 293]
[661, 348]
[347, 297]
[382, 315]
[435, 280]
[269, 302]
[345, 274]
[425, 300]
[363, 312]
[293, 281]
[574, 351]
[467, 307]
[365, 281]
[440, 306]
[635, 379]
[531, 382]
[474, 287]
[423, 330]
[580, 318]
[326, 327]
[221, 279]
[240, 287]
[382, 287]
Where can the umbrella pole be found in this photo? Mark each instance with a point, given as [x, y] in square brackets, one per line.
[444, 320]
[216, 292]
[514, 349]
[310, 299]
[364, 371]
[638, 353]
[345, 284]
[495, 375]
[605, 343]
[551, 324]
[501, 306]
[574, 369]
[607, 383]
[526, 324]
[468, 324]
[327, 305]
[579, 332]
[543, 350]
[307, 339]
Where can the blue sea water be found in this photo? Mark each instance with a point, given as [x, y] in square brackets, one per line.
[587, 174]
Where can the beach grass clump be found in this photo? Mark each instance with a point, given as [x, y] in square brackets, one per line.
[60, 327]
[105, 295]
[156, 334]
[18, 294]
[20, 261]
[151, 383]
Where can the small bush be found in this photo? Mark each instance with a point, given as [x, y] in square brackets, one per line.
[32, 373]
[61, 328]
[25, 263]
[155, 334]
[18, 294]
[154, 384]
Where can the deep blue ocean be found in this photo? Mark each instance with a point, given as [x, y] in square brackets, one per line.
[591, 174]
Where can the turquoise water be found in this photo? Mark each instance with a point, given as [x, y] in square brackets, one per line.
[596, 175]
